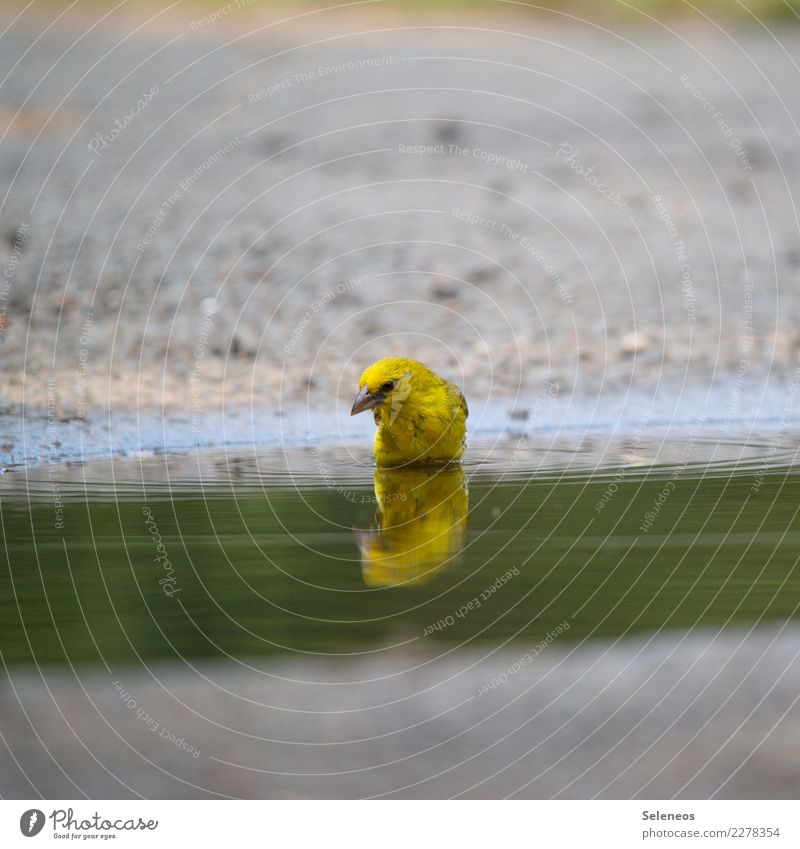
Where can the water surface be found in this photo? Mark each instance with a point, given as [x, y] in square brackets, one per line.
[223, 555]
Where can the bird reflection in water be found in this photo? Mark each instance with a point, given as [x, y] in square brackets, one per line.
[421, 525]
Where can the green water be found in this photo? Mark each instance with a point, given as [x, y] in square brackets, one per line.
[259, 558]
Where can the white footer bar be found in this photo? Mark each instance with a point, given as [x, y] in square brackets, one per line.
[403, 824]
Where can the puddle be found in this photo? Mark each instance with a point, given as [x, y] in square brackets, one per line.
[237, 554]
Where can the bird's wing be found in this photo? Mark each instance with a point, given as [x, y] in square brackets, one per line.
[459, 399]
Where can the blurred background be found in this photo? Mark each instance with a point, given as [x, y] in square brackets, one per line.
[218, 202]
[215, 215]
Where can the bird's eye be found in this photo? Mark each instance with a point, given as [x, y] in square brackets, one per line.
[388, 386]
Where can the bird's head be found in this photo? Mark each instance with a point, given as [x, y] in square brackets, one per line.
[386, 386]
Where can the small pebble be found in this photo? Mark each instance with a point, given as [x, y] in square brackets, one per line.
[633, 343]
[209, 306]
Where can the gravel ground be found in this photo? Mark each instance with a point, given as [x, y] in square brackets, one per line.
[203, 213]
[691, 716]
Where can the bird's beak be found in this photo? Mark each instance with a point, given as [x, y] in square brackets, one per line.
[364, 401]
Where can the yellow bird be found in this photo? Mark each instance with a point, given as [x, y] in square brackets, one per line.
[421, 418]
[421, 525]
